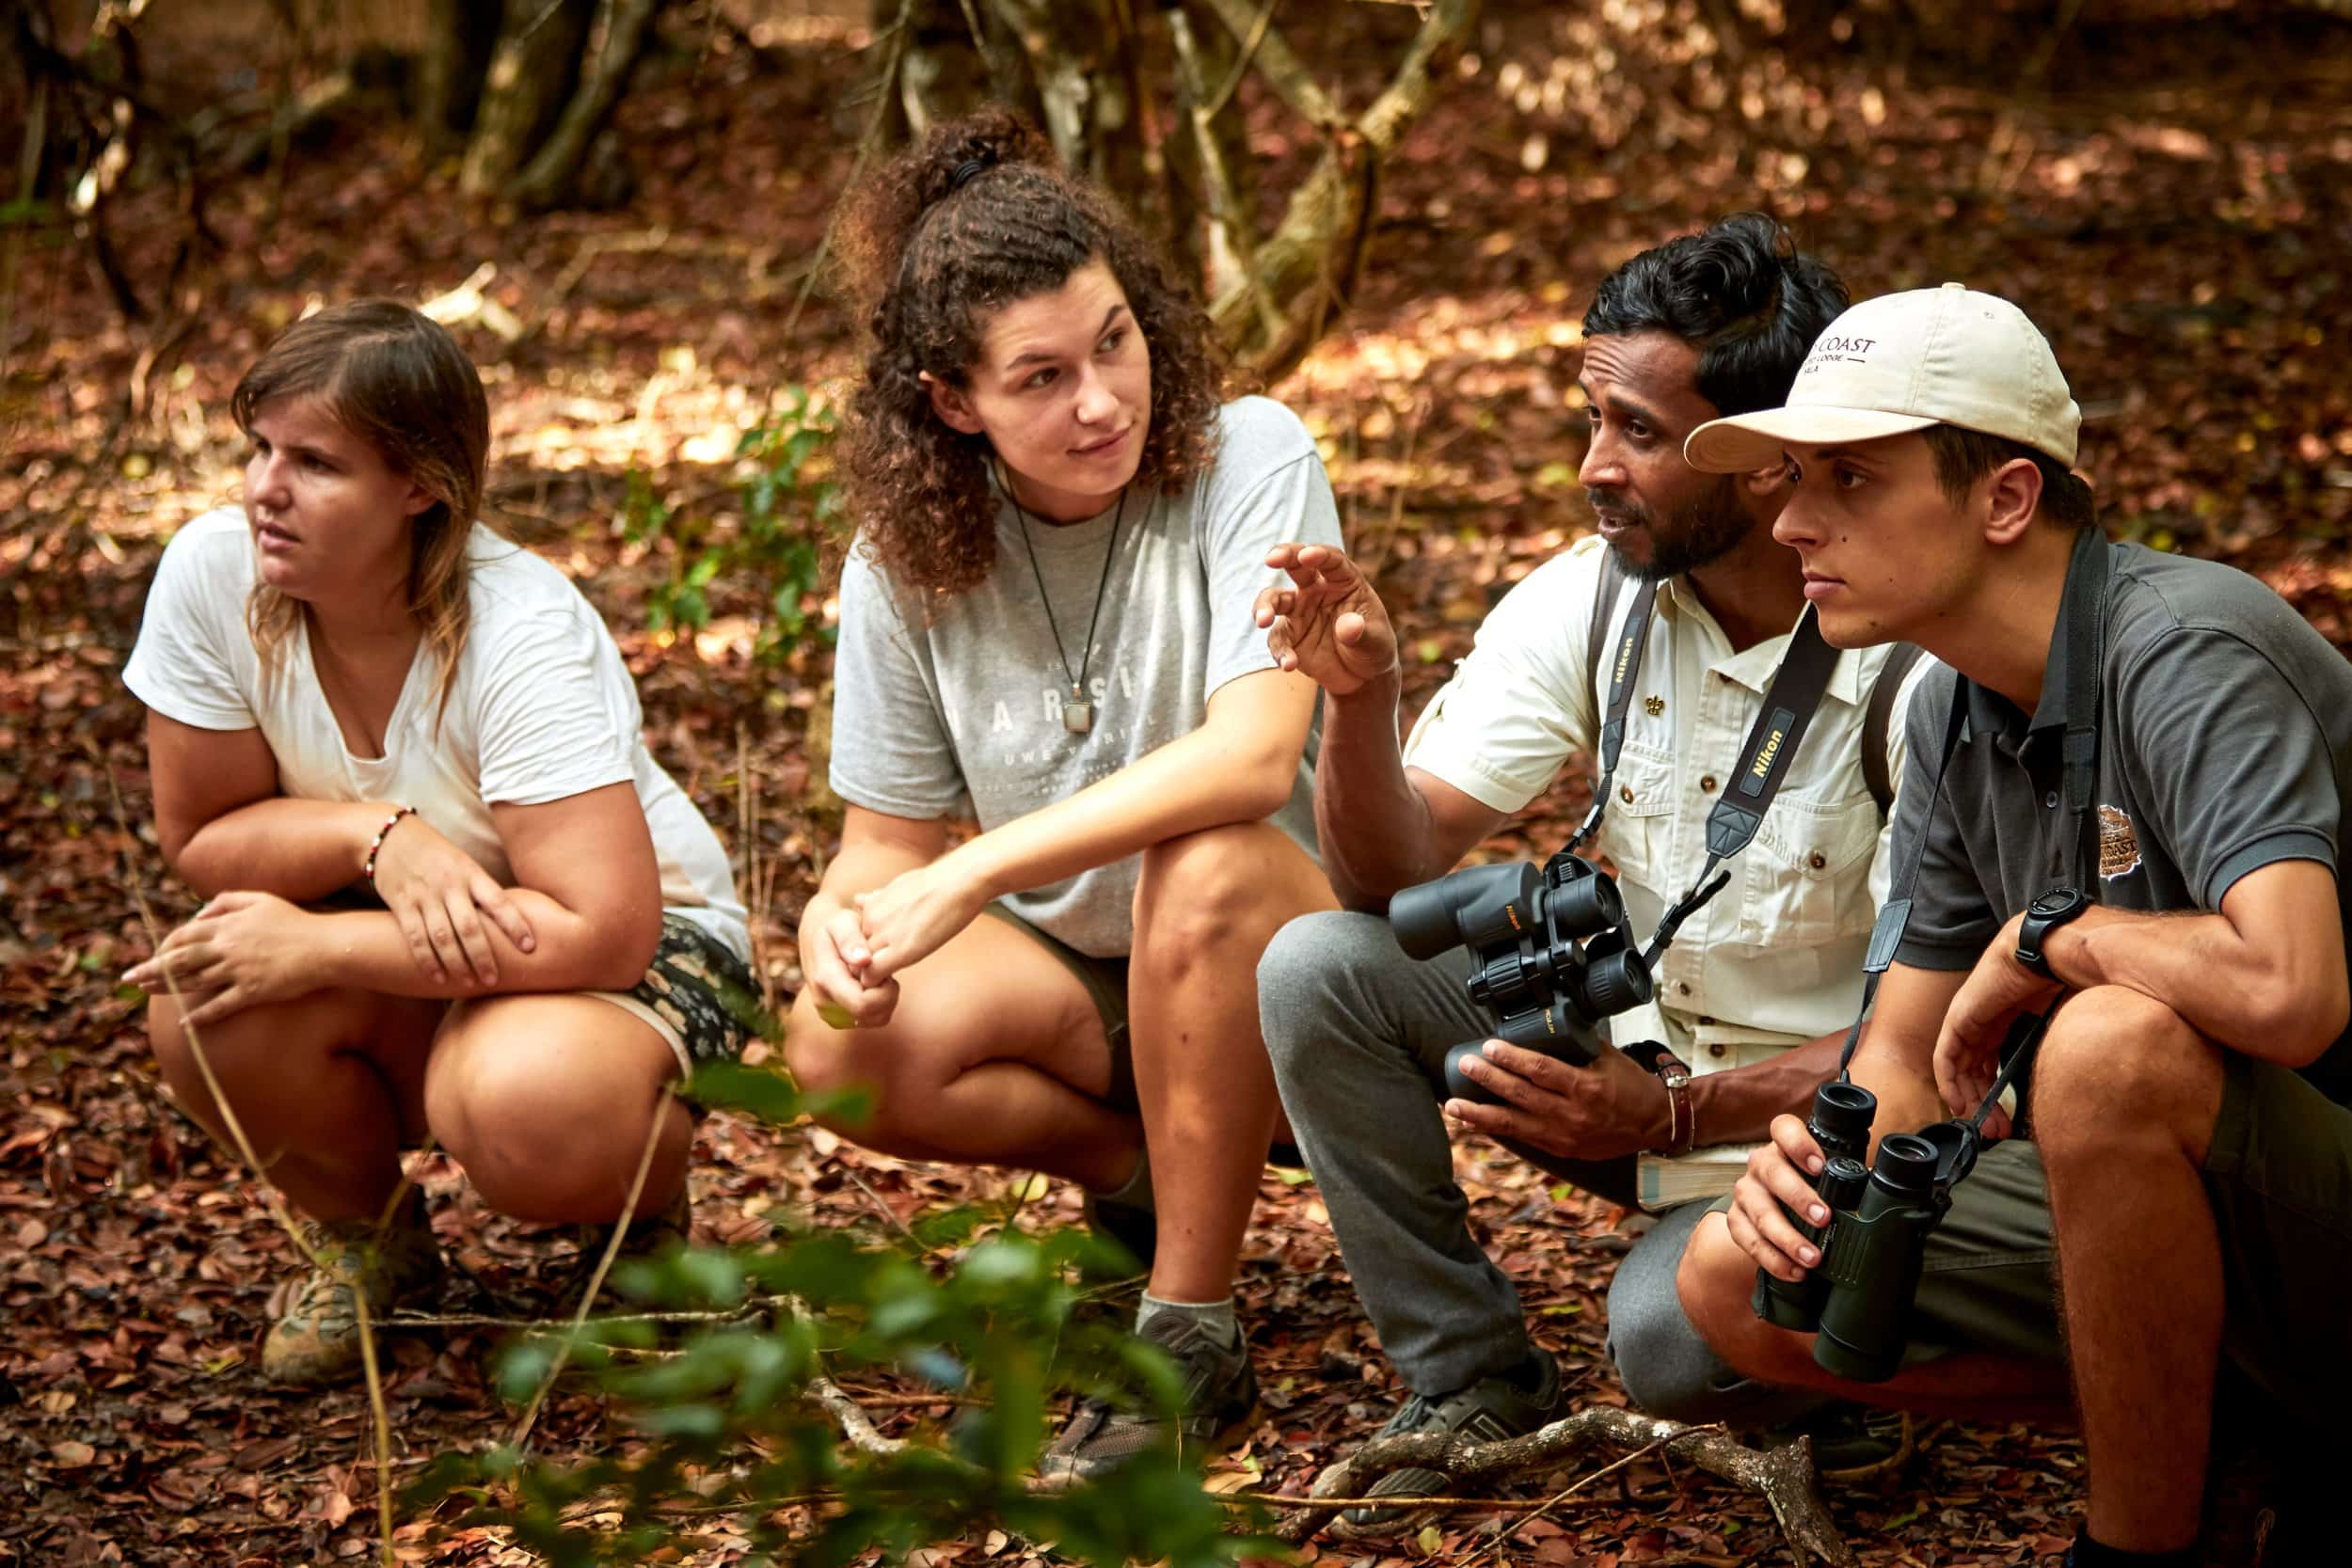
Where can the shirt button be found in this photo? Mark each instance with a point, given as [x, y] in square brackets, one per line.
[1707, 1023]
[1707, 785]
[1816, 859]
[1625, 793]
[2051, 800]
[1718, 1048]
[1682, 987]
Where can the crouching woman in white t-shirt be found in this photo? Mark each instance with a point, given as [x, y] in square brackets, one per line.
[450, 894]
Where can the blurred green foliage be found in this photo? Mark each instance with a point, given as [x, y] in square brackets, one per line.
[791, 510]
[726, 1423]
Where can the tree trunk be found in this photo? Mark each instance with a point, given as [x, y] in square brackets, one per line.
[533, 70]
[459, 37]
[947, 71]
[548, 177]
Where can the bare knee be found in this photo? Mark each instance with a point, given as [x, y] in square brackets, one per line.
[1203, 895]
[1716, 1284]
[543, 1140]
[233, 1050]
[2115, 1067]
[869, 1084]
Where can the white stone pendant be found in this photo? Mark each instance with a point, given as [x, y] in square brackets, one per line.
[1077, 714]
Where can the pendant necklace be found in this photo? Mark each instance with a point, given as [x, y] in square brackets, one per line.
[1077, 709]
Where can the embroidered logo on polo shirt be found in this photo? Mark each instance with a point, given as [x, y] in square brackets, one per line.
[1653, 705]
[2118, 846]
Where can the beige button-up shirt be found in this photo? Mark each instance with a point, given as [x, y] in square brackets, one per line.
[1776, 960]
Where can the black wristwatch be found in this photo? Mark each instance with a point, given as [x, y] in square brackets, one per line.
[2045, 915]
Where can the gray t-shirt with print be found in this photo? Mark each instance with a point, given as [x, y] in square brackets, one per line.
[961, 710]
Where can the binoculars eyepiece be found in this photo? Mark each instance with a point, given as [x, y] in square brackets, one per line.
[1553, 956]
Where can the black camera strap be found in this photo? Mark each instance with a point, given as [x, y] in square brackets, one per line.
[2084, 609]
[1771, 750]
[1790, 702]
[1626, 662]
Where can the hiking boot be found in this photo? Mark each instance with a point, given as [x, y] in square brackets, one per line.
[1220, 1394]
[1134, 1225]
[649, 1236]
[1490, 1409]
[1850, 1442]
[316, 1340]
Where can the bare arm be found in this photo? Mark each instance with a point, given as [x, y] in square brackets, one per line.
[587, 877]
[1737, 1106]
[2265, 976]
[876, 850]
[223, 825]
[1895, 1061]
[590, 883]
[1237, 766]
[1383, 826]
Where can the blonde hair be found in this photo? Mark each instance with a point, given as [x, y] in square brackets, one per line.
[398, 381]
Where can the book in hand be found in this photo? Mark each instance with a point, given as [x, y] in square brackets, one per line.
[1700, 1175]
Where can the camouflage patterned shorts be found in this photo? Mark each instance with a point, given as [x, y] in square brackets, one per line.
[697, 994]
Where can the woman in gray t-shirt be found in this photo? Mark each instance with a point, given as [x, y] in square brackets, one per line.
[1047, 627]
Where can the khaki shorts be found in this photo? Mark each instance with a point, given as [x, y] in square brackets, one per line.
[1106, 982]
[2279, 1176]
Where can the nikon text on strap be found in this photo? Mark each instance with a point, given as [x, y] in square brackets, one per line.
[1790, 703]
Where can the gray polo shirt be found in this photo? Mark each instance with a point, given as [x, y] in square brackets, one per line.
[2225, 744]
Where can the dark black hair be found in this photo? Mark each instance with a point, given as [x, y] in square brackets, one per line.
[1742, 292]
[1962, 457]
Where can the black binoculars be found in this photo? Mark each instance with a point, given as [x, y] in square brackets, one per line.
[1857, 1302]
[1523, 928]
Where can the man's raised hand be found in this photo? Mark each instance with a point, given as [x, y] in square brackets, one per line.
[1326, 622]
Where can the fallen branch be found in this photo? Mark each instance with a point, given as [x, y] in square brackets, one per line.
[855, 1424]
[1782, 1477]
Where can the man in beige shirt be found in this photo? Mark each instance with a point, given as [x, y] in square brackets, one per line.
[1756, 990]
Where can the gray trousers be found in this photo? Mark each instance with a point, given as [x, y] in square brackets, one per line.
[1358, 1034]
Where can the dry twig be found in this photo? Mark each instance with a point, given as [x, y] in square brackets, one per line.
[1782, 1477]
[271, 1198]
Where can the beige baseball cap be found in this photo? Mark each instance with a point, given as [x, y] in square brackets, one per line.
[1903, 362]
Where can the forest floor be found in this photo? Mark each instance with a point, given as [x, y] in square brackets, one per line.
[2172, 202]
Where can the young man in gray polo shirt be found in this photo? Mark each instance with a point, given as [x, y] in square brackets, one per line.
[2187, 1100]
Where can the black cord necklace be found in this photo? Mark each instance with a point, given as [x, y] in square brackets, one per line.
[1077, 709]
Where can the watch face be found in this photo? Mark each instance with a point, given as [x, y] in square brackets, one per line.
[2056, 901]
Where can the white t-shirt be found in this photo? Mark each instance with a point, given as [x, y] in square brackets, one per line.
[542, 709]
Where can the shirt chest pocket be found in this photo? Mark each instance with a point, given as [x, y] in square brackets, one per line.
[1808, 876]
[1637, 834]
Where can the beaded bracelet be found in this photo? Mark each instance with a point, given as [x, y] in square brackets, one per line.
[368, 870]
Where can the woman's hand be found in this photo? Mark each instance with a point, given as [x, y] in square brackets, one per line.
[833, 961]
[912, 915]
[439, 894]
[242, 950]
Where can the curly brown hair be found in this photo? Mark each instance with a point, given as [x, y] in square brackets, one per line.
[929, 259]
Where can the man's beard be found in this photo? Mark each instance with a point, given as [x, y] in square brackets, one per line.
[1700, 532]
